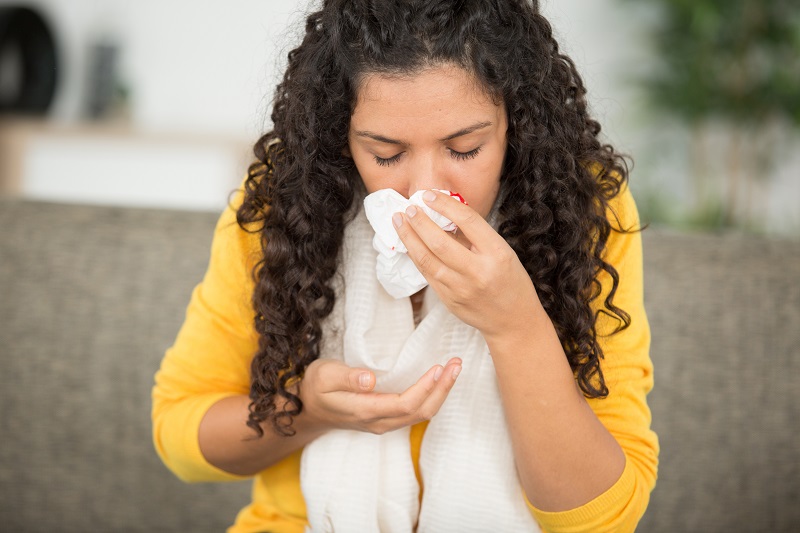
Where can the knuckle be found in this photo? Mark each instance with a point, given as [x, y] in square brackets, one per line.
[314, 369]
[439, 276]
[459, 297]
[406, 408]
[348, 381]
[427, 413]
[428, 386]
[504, 255]
[365, 423]
[469, 219]
[424, 262]
[379, 429]
[368, 415]
[317, 376]
[463, 292]
[439, 245]
[483, 281]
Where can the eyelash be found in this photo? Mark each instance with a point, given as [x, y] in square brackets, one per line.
[458, 156]
[464, 156]
[388, 161]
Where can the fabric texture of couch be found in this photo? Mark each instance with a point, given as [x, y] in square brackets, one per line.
[90, 297]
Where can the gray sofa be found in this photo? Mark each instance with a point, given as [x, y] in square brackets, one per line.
[91, 296]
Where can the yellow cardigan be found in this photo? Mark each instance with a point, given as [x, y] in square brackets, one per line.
[210, 360]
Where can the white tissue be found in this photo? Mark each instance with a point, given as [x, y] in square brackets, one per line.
[396, 271]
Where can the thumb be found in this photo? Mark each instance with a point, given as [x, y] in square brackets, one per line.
[331, 375]
[360, 380]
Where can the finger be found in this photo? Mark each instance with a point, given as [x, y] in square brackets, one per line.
[437, 385]
[408, 402]
[335, 376]
[431, 405]
[453, 361]
[361, 380]
[428, 237]
[426, 261]
[378, 406]
[387, 412]
[469, 221]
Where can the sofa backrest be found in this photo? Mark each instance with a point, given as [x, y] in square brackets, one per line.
[90, 297]
[725, 317]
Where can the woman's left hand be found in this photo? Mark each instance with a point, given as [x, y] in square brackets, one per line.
[480, 281]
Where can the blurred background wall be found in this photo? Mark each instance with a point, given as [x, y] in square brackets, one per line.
[158, 103]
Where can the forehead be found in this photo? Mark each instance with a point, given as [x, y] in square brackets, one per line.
[445, 89]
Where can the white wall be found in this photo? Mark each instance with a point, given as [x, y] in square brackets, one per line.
[131, 170]
[201, 76]
[212, 66]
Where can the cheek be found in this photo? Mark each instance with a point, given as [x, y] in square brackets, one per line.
[371, 177]
[485, 206]
[370, 184]
[482, 188]
[375, 180]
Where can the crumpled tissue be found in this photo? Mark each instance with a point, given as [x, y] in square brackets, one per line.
[396, 271]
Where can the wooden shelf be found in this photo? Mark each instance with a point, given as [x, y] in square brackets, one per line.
[79, 161]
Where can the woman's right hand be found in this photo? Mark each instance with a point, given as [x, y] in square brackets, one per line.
[336, 396]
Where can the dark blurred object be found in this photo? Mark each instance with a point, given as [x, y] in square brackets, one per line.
[102, 79]
[28, 62]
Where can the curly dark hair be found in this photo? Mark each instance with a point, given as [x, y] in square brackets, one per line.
[556, 184]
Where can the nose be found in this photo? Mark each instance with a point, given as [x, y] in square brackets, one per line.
[425, 173]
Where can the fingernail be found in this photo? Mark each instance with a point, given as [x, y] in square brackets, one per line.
[456, 371]
[438, 373]
[363, 380]
[411, 211]
[429, 196]
[397, 218]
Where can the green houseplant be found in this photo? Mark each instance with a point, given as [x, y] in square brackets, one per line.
[730, 66]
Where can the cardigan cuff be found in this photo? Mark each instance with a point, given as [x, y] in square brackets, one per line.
[599, 514]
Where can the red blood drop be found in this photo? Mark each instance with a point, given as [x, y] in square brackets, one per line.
[459, 197]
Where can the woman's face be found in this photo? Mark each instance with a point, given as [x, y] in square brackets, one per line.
[432, 130]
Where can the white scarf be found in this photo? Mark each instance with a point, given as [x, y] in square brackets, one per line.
[357, 482]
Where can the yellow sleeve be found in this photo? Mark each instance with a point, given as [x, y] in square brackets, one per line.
[628, 373]
[211, 356]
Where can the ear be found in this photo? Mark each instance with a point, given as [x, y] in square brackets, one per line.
[346, 152]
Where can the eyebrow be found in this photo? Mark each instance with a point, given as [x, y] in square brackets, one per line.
[459, 133]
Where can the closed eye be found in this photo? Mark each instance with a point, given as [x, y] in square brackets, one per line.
[463, 156]
[385, 162]
[458, 156]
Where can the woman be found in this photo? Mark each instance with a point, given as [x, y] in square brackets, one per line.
[507, 396]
